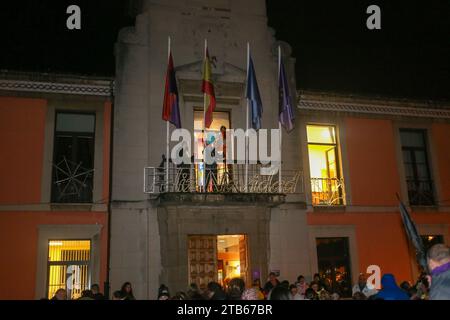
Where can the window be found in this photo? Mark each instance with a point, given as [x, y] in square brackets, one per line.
[430, 240]
[417, 171]
[334, 265]
[326, 183]
[68, 267]
[73, 158]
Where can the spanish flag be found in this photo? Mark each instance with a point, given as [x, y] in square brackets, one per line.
[208, 90]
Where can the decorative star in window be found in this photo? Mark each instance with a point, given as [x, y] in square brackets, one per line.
[71, 178]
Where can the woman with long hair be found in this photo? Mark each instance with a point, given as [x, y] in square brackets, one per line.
[127, 291]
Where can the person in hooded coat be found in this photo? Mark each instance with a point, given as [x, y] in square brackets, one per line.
[390, 290]
[439, 264]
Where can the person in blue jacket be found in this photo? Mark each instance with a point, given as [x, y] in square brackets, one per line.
[390, 290]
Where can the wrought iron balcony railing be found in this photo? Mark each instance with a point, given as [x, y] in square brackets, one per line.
[230, 178]
[420, 192]
[327, 191]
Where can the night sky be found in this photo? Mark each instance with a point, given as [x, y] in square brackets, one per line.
[409, 57]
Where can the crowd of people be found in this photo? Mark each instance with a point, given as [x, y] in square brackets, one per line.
[433, 286]
[125, 293]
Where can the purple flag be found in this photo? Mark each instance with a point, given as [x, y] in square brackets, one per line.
[286, 114]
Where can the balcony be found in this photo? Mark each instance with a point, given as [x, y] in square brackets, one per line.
[220, 179]
[327, 191]
[420, 192]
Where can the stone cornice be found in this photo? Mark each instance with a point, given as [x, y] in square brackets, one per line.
[55, 83]
[379, 109]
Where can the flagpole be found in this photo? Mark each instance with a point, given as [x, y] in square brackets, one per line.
[204, 126]
[279, 123]
[247, 155]
[167, 127]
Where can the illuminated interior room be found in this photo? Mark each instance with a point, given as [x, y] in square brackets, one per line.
[230, 249]
[324, 165]
[68, 267]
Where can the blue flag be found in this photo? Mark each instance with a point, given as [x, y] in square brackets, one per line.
[286, 114]
[253, 96]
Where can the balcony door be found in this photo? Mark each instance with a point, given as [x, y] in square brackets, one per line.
[326, 182]
[209, 177]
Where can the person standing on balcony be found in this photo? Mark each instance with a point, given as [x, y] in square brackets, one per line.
[161, 178]
[438, 257]
[211, 168]
[183, 175]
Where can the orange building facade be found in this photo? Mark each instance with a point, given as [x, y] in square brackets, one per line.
[356, 155]
[45, 167]
[383, 148]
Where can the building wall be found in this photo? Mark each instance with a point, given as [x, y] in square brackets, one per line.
[178, 222]
[380, 238]
[441, 138]
[374, 162]
[22, 123]
[371, 161]
[141, 60]
[25, 167]
[289, 242]
[135, 251]
[20, 231]
[369, 149]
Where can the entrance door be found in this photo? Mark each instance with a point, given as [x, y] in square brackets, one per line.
[334, 264]
[202, 257]
[217, 258]
[243, 258]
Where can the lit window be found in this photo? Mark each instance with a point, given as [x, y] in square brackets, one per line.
[68, 267]
[326, 182]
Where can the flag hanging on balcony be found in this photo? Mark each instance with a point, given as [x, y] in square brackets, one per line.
[286, 114]
[413, 236]
[252, 94]
[171, 109]
[208, 90]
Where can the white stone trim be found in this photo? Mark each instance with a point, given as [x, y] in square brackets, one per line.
[56, 87]
[315, 105]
